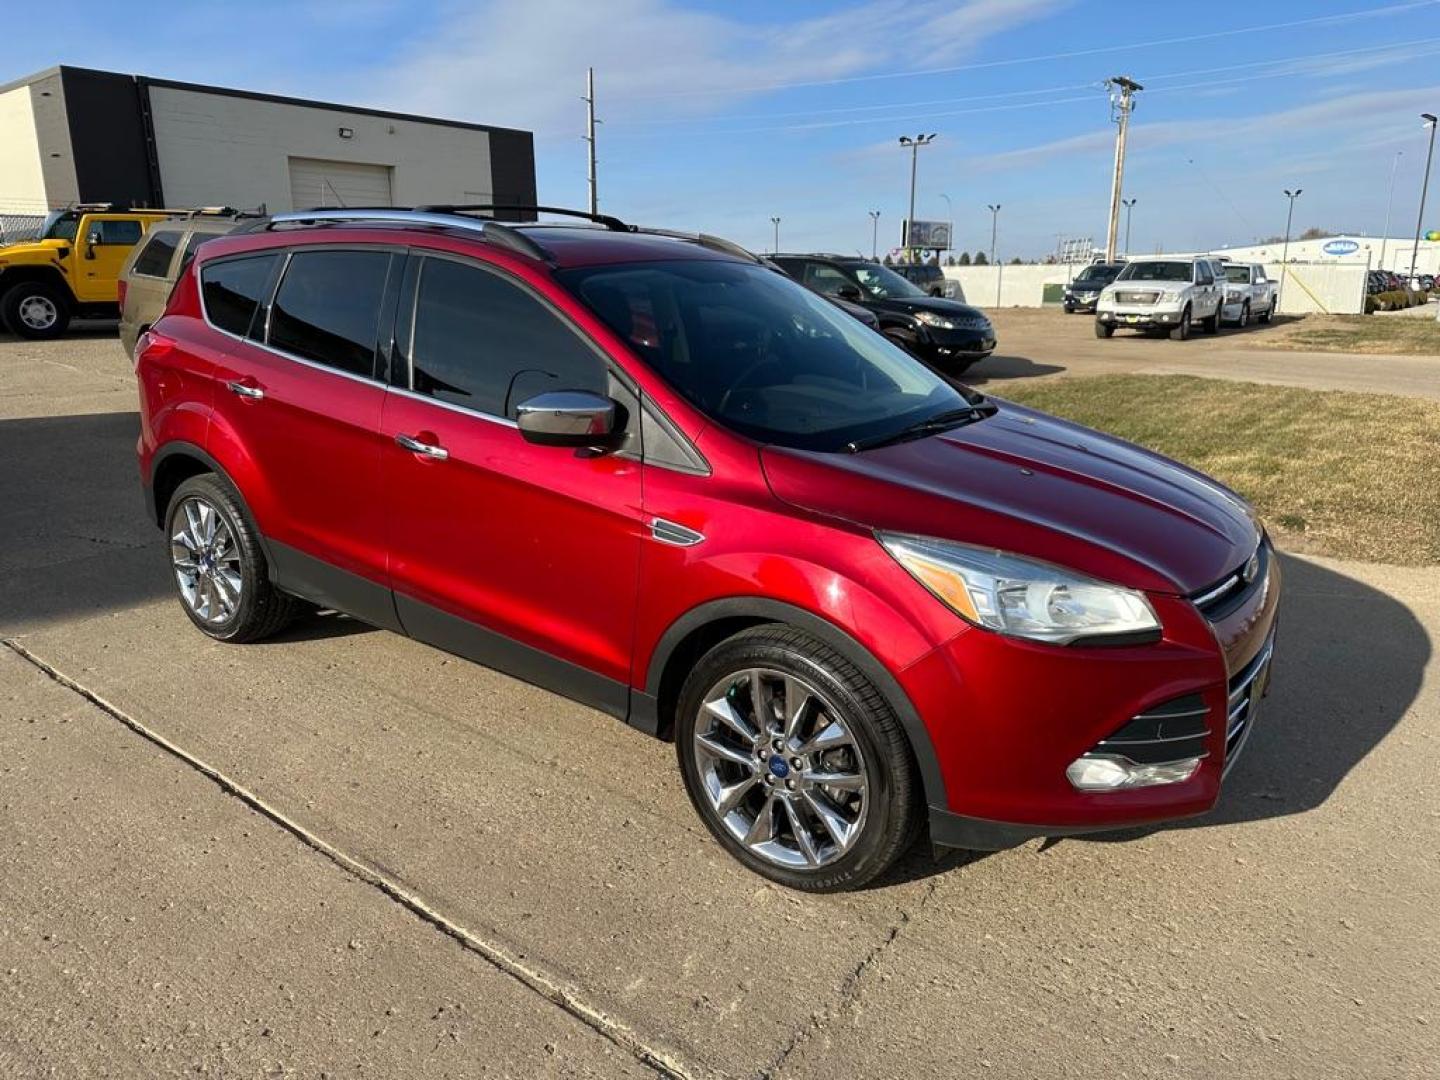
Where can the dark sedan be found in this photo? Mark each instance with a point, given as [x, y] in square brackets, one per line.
[1083, 293]
[946, 334]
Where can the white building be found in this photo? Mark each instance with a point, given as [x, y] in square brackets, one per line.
[72, 135]
[1367, 250]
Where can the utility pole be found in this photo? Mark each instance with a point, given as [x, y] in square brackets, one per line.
[874, 234]
[590, 122]
[1429, 118]
[914, 145]
[1389, 205]
[950, 219]
[776, 222]
[994, 209]
[1122, 103]
[1129, 206]
[1285, 251]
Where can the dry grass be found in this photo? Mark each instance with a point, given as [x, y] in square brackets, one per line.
[1397, 334]
[1356, 476]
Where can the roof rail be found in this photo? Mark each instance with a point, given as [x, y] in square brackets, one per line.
[491, 230]
[610, 222]
[714, 243]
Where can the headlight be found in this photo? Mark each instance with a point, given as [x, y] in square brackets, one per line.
[1018, 596]
[929, 318]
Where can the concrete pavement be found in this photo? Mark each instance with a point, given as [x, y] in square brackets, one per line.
[601, 932]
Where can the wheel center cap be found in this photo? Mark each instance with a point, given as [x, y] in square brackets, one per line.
[779, 768]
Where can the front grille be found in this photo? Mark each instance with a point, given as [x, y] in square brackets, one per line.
[1219, 600]
[1135, 296]
[970, 322]
[1169, 732]
[1247, 686]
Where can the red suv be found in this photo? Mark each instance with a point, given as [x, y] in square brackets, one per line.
[651, 474]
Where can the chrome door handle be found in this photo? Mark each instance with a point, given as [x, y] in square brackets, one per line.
[252, 392]
[415, 446]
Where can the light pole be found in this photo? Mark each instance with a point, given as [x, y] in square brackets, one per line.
[950, 218]
[776, 222]
[874, 234]
[1285, 251]
[1129, 205]
[1389, 205]
[994, 209]
[914, 145]
[1429, 118]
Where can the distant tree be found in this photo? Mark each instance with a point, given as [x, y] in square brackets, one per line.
[934, 260]
[1017, 261]
[980, 259]
[949, 260]
[1316, 233]
[888, 261]
[964, 259]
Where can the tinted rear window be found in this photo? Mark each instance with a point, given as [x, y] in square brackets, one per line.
[327, 308]
[196, 239]
[154, 258]
[233, 290]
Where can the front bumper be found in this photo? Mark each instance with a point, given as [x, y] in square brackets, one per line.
[1030, 710]
[1139, 317]
[941, 346]
[1081, 302]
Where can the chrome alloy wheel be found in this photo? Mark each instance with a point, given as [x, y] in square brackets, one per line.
[38, 312]
[782, 770]
[206, 560]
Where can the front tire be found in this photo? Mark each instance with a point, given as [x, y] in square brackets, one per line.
[796, 762]
[1103, 330]
[1182, 332]
[36, 310]
[219, 567]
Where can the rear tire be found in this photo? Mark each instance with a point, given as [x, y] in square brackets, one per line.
[1103, 330]
[219, 566]
[750, 781]
[1182, 332]
[1212, 324]
[1269, 313]
[36, 310]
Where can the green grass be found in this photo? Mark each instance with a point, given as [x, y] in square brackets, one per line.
[1355, 476]
[1396, 334]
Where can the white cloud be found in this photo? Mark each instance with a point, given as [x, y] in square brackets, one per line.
[523, 63]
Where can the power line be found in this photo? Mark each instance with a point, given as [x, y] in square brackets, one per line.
[764, 87]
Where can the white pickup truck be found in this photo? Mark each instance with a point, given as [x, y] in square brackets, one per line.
[1249, 293]
[1166, 295]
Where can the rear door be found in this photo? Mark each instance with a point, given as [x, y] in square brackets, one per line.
[298, 399]
[520, 556]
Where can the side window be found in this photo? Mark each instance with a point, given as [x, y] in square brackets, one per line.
[327, 308]
[233, 289]
[1258, 273]
[154, 258]
[825, 279]
[1203, 275]
[487, 344]
[114, 232]
[195, 240]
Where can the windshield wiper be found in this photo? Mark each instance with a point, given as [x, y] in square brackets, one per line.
[931, 425]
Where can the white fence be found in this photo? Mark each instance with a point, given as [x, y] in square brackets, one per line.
[1333, 287]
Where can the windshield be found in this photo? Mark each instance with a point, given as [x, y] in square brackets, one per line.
[60, 225]
[762, 355]
[883, 283]
[1097, 275]
[1155, 271]
[1237, 275]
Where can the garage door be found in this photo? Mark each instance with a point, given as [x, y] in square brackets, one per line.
[314, 182]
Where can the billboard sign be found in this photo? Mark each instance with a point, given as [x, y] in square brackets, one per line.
[1341, 247]
[927, 234]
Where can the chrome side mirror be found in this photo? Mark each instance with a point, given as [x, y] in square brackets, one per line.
[566, 418]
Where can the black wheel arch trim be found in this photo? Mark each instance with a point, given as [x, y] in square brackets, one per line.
[644, 704]
[189, 449]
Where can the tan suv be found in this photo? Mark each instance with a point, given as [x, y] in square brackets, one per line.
[155, 263]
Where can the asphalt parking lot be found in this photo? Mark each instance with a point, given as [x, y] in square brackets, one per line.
[341, 853]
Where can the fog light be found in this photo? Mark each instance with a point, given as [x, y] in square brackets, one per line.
[1111, 772]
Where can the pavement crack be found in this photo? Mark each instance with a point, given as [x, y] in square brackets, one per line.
[563, 997]
[850, 986]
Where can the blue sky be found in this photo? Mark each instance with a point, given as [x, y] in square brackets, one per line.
[719, 115]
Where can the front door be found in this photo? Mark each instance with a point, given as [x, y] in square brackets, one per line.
[102, 244]
[522, 557]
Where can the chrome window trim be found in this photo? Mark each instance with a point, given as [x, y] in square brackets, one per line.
[452, 407]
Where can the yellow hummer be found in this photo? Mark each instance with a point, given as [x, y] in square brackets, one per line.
[71, 270]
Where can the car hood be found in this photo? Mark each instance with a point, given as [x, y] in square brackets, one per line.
[34, 247]
[1088, 286]
[1025, 482]
[938, 304]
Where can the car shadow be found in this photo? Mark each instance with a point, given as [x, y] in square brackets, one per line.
[998, 368]
[1340, 685]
